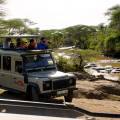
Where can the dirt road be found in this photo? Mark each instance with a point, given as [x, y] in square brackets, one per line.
[89, 104]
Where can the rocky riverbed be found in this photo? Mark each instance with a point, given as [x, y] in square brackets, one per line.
[97, 88]
[97, 94]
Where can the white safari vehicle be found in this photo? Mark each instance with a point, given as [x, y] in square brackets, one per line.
[33, 72]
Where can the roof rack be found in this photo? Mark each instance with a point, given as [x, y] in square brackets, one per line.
[27, 50]
[20, 36]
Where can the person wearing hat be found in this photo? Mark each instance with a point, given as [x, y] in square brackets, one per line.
[21, 44]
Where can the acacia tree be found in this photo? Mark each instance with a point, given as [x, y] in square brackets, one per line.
[14, 26]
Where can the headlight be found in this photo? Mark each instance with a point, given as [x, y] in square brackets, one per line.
[47, 85]
[72, 81]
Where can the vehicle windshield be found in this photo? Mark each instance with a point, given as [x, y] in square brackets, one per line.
[39, 61]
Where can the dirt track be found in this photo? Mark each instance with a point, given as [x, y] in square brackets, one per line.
[89, 104]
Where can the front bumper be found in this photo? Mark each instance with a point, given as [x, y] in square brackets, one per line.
[57, 93]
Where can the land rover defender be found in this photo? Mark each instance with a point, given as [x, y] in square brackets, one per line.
[34, 72]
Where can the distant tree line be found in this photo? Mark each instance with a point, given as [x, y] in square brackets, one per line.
[104, 38]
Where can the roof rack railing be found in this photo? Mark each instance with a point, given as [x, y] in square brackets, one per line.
[25, 49]
[20, 36]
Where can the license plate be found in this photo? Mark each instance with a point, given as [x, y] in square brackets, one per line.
[62, 92]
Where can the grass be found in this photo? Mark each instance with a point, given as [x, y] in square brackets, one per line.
[112, 64]
[89, 55]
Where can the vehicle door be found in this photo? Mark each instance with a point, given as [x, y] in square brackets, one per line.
[17, 75]
[5, 72]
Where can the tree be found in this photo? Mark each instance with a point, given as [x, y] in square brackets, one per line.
[28, 22]
[57, 39]
[2, 27]
[114, 17]
[14, 26]
[17, 26]
[1, 8]
[32, 31]
[112, 45]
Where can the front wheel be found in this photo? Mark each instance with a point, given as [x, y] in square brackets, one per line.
[33, 94]
[69, 96]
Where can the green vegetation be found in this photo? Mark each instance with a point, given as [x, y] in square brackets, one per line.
[101, 38]
[17, 26]
[72, 65]
[78, 59]
[2, 13]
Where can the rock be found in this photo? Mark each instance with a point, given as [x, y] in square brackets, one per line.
[100, 89]
[110, 89]
[83, 76]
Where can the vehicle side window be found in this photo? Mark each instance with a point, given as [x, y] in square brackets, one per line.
[18, 66]
[6, 63]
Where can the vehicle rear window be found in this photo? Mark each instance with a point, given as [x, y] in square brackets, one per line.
[6, 63]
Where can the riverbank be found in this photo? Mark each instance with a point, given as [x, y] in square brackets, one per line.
[97, 94]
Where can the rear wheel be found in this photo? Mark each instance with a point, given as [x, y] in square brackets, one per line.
[69, 96]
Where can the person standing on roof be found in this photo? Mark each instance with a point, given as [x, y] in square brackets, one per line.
[21, 44]
[33, 44]
[6, 43]
[43, 43]
[12, 45]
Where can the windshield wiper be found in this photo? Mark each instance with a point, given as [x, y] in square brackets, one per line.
[43, 68]
[34, 69]
[49, 68]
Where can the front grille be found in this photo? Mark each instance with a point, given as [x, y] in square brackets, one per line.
[59, 84]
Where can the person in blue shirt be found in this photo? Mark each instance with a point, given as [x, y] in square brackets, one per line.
[43, 44]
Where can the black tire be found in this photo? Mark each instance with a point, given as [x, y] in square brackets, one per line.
[33, 94]
[69, 97]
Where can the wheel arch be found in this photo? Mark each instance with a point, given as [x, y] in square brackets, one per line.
[31, 84]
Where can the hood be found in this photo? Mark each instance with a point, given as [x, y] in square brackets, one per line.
[50, 74]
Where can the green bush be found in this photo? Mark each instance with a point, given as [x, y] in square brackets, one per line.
[112, 45]
[69, 65]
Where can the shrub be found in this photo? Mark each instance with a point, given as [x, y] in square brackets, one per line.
[69, 65]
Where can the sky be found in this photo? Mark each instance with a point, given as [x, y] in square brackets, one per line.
[57, 14]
